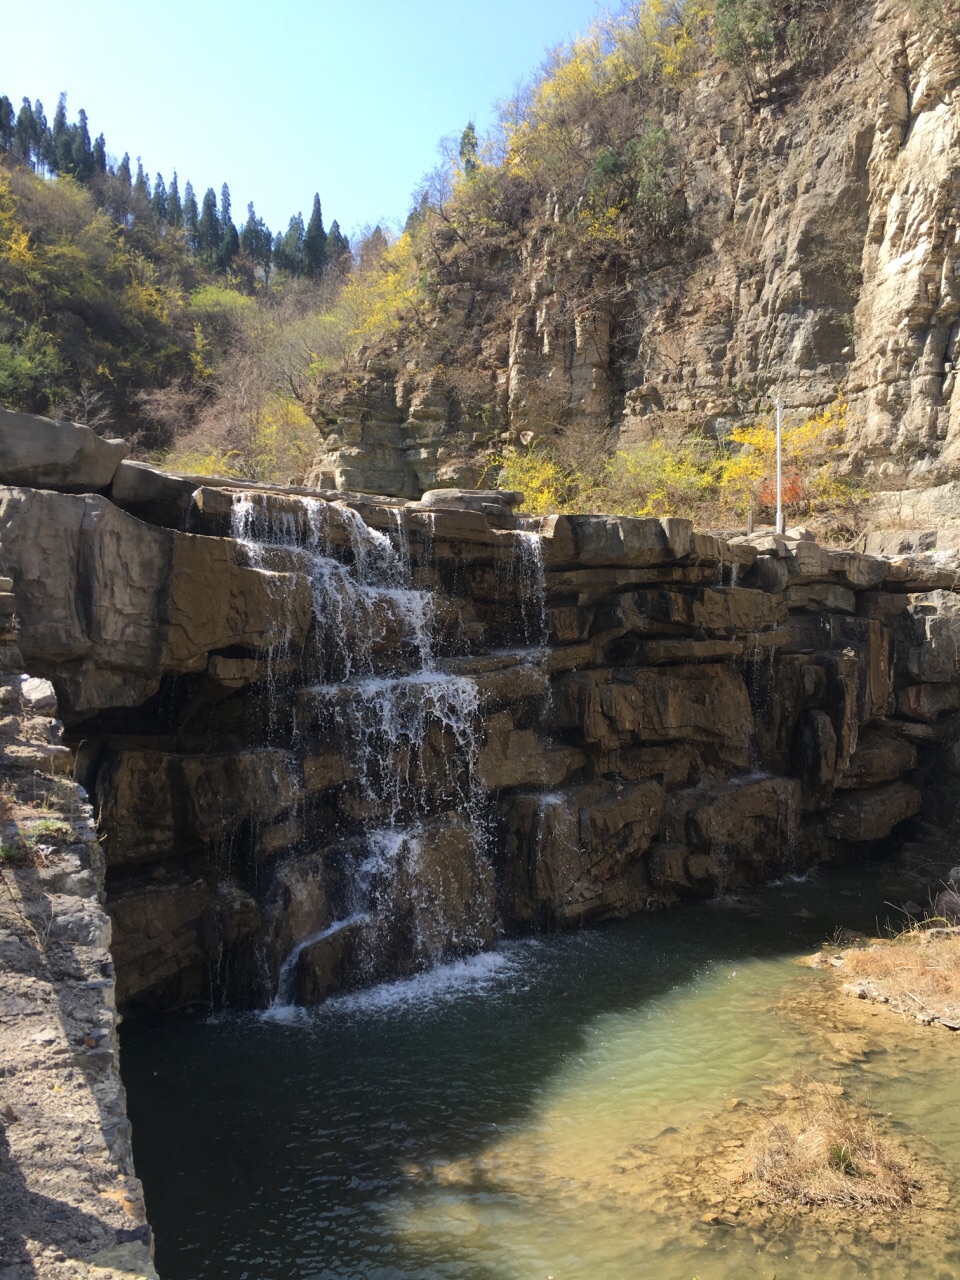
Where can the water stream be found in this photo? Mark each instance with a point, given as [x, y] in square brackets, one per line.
[472, 1121]
[370, 685]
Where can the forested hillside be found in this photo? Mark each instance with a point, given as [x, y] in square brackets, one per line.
[695, 209]
[122, 299]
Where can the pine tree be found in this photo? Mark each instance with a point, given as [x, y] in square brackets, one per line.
[100, 154]
[7, 123]
[174, 207]
[61, 140]
[468, 150]
[224, 206]
[280, 253]
[191, 216]
[315, 243]
[24, 131]
[257, 241]
[141, 188]
[338, 248]
[293, 246]
[229, 247]
[158, 201]
[81, 157]
[123, 171]
[41, 137]
[209, 231]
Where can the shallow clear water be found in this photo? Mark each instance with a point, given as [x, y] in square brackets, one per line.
[472, 1122]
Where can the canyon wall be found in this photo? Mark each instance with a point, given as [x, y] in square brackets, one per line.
[334, 741]
[820, 261]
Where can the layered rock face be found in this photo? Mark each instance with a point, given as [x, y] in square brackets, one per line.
[72, 1205]
[820, 261]
[350, 739]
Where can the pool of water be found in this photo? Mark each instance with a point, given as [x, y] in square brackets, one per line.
[473, 1122]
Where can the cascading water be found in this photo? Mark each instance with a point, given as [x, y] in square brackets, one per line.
[411, 882]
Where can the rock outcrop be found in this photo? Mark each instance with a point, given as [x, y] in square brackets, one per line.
[820, 260]
[352, 738]
[70, 1203]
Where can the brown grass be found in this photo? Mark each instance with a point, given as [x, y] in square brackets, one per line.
[917, 972]
[825, 1150]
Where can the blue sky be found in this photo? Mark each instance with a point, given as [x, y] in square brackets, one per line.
[281, 99]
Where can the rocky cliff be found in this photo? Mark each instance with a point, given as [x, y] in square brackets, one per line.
[333, 741]
[70, 1203]
[818, 259]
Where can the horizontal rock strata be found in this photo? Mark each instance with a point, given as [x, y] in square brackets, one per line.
[555, 720]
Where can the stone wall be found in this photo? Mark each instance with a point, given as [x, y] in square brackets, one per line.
[617, 714]
[70, 1203]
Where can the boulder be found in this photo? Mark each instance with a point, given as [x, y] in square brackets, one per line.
[872, 814]
[707, 703]
[159, 497]
[513, 757]
[899, 542]
[585, 848]
[880, 757]
[297, 907]
[108, 605]
[928, 702]
[156, 945]
[626, 540]
[497, 504]
[156, 805]
[821, 596]
[42, 454]
[748, 826]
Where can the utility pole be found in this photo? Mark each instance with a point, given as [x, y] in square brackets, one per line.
[780, 522]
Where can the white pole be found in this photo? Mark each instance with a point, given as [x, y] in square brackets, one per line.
[780, 523]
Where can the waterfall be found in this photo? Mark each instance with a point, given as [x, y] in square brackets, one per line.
[415, 883]
[532, 589]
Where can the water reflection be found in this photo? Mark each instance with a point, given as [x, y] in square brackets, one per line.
[489, 1120]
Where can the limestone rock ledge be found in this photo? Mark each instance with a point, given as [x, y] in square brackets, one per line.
[70, 1203]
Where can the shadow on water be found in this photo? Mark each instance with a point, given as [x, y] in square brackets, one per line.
[273, 1149]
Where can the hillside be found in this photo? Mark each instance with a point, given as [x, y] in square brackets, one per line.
[691, 213]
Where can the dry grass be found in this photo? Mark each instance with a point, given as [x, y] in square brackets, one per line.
[916, 972]
[824, 1150]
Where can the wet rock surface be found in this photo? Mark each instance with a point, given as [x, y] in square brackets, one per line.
[282, 710]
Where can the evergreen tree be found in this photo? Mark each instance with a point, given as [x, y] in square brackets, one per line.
[191, 216]
[60, 157]
[315, 243]
[280, 253]
[209, 231]
[229, 247]
[100, 154]
[141, 188]
[158, 201]
[23, 132]
[123, 171]
[468, 150]
[224, 206]
[41, 137]
[338, 248]
[81, 153]
[174, 207]
[293, 246]
[257, 241]
[7, 123]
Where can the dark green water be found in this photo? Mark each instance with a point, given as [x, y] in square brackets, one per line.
[332, 1145]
